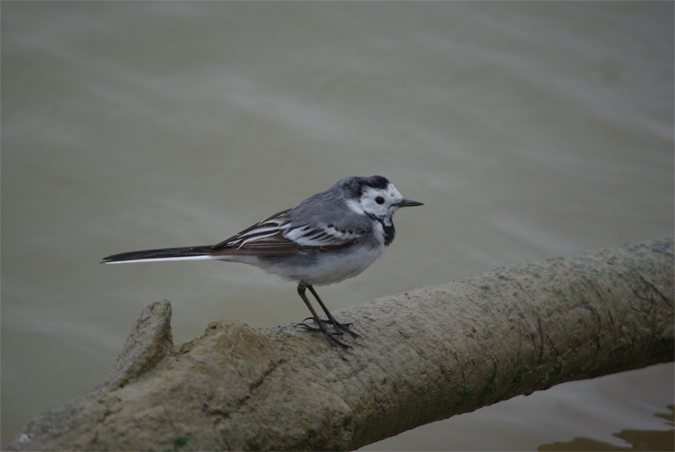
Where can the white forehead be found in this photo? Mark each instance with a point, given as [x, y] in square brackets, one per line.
[389, 191]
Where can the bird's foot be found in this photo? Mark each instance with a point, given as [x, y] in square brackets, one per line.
[339, 327]
[330, 336]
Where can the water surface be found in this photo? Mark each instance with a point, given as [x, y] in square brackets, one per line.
[528, 129]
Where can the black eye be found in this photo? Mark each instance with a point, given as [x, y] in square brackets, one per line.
[379, 200]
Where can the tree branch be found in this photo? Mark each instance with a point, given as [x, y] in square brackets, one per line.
[426, 355]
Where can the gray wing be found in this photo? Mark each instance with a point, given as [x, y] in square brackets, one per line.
[299, 229]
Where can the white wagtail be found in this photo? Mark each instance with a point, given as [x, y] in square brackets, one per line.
[327, 238]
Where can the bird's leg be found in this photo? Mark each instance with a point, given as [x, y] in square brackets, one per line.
[338, 326]
[321, 327]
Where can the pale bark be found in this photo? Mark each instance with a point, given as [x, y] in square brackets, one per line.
[425, 355]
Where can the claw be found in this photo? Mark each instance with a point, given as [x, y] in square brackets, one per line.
[348, 324]
[313, 328]
[339, 327]
[330, 336]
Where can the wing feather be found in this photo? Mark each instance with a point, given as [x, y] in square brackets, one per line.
[279, 235]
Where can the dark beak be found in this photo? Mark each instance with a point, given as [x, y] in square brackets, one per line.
[408, 203]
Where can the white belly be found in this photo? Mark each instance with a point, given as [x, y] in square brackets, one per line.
[320, 268]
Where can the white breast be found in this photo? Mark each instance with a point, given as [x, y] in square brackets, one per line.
[319, 269]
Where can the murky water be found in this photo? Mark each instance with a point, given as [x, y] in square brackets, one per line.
[529, 129]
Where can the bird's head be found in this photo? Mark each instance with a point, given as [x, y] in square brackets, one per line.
[374, 196]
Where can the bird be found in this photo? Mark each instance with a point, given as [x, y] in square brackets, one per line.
[327, 238]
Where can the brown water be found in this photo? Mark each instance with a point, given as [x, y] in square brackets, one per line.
[528, 129]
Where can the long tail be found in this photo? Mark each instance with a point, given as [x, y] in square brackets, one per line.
[164, 254]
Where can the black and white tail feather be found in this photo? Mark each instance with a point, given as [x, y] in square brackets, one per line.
[327, 238]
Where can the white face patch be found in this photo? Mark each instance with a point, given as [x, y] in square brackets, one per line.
[355, 206]
[368, 203]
